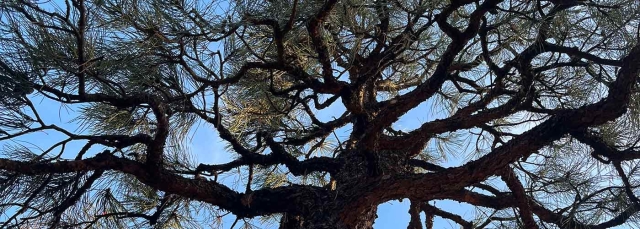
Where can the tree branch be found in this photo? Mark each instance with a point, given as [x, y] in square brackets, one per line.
[259, 202]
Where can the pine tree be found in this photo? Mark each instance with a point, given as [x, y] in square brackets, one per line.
[536, 101]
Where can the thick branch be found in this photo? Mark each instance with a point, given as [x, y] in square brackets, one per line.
[414, 211]
[259, 202]
[428, 209]
[602, 148]
[319, 42]
[613, 106]
[509, 177]
[297, 168]
[392, 110]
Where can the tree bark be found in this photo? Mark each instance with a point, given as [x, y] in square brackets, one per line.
[327, 220]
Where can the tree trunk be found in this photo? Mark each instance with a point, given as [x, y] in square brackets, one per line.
[327, 220]
[328, 216]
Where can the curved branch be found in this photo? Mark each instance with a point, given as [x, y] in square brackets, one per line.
[259, 202]
[297, 168]
[319, 44]
[428, 209]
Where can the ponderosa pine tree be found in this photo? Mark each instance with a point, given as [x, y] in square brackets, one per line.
[539, 97]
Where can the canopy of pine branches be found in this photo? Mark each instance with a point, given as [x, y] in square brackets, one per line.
[528, 111]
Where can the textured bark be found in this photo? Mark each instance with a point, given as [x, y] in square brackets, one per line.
[325, 218]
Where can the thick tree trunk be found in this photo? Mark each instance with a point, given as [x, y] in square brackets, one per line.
[327, 220]
[358, 168]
